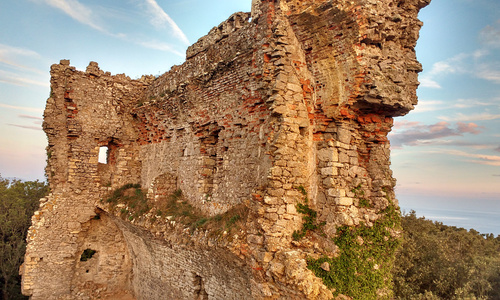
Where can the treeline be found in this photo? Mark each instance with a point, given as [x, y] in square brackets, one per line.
[437, 261]
[18, 202]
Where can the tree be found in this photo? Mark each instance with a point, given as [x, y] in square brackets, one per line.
[445, 262]
[18, 202]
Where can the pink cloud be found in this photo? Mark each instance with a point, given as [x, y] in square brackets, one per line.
[483, 159]
[468, 128]
[416, 133]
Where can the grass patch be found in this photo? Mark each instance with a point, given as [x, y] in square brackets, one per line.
[177, 207]
[133, 196]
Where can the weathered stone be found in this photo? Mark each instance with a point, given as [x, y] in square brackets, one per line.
[325, 266]
[260, 112]
[345, 201]
[328, 154]
[329, 171]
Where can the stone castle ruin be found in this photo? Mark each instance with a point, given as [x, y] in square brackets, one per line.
[271, 137]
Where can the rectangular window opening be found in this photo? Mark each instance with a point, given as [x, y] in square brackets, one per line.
[103, 155]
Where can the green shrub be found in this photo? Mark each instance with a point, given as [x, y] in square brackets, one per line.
[18, 201]
[363, 268]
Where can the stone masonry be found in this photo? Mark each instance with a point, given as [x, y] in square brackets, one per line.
[297, 93]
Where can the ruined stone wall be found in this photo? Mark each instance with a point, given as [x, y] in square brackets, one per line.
[285, 107]
[206, 122]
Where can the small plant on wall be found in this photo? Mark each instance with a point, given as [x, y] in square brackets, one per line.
[308, 217]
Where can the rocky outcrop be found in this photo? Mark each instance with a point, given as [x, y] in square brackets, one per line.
[229, 176]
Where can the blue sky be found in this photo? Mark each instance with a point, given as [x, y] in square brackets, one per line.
[449, 146]
[445, 152]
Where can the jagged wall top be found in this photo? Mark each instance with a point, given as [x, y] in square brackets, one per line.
[235, 22]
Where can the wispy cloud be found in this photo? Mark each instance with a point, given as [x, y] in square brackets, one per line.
[490, 35]
[26, 126]
[399, 125]
[77, 11]
[21, 67]
[429, 105]
[468, 103]
[452, 65]
[7, 51]
[436, 105]
[489, 71]
[15, 58]
[16, 79]
[460, 117]
[161, 19]
[482, 63]
[416, 133]
[23, 108]
[426, 81]
[160, 46]
[38, 120]
[483, 159]
[90, 17]
[30, 117]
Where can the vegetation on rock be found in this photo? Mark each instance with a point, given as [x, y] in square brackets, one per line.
[178, 208]
[175, 207]
[308, 218]
[133, 196]
[363, 268]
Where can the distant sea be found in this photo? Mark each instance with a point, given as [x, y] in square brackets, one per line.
[480, 215]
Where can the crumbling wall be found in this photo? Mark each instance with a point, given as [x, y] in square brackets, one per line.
[207, 121]
[277, 115]
[86, 110]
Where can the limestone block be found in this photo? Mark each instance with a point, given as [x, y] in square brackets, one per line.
[328, 154]
[345, 201]
[329, 171]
